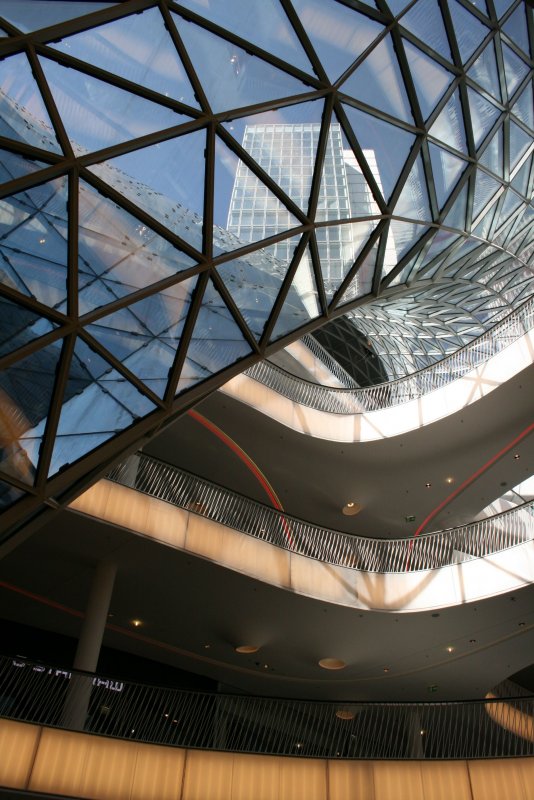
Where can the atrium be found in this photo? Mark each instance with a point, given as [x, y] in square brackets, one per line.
[269, 266]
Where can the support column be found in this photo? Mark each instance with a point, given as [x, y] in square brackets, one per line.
[89, 644]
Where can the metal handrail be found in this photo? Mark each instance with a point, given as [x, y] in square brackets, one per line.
[36, 693]
[401, 390]
[429, 551]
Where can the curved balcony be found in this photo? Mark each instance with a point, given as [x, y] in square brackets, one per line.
[435, 570]
[398, 406]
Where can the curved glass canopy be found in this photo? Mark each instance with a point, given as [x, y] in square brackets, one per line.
[188, 186]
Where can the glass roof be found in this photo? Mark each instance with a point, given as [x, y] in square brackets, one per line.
[185, 187]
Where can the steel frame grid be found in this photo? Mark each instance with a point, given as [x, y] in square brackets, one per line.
[70, 325]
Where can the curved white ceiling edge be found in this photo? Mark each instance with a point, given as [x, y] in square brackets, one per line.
[381, 424]
[467, 582]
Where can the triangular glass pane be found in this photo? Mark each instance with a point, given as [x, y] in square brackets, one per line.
[446, 170]
[492, 157]
[401, 238]
[484, 71]
[520, 180]
[440, 242]
[175, 197]
[486, 189]
[13, 165]
[449, 125]
[245, 210]
[430, 78]
[145, 336]
[216, 342]
[396, 6]
[483, 115]
[302, 301]
[23, 114]
[26, 389]
[520, 141]
[413, 201]
[31, 15]
[261, 22]
[424, 20]
[515, 69]
[378, 82]
[384, 145]
[339, 246]
[97, 114]
[501, 6]
[33, 241]
[3, 33]
[98, 403]
[284, 143]
[516, 29]
[231, 77]
[483, 227]
[511, 203]
[344, 191]
[470, 32]
[455, 217]
[254, 281]
[118, 254]
[523, 108]
[362, 282]
[19, 326]
[338, 34]
[138, 48]
[9, 495]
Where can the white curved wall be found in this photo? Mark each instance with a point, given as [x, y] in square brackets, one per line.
[383, 423]
[469, 581]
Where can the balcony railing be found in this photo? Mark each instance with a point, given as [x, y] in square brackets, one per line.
[429, 551]
[36, 693]
[402, 390]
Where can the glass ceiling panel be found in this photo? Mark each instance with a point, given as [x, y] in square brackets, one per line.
[138, 48]
[430, 78]
[33, 242]
[255, 282]
[23, 114]
[523, 108]
[446, 169]
[230, 76]
[98, 403]
[26, 390]
[401, 238]
[484, 71]
[145, 335]
[261, 22]
[174, 196]
[19, 326]
[338, 34]
[516, 30]
[483, 115]
[344, 191]
[388, 146]
[245, 209]
[486, 189]
[492, 157]
[455, 217]
[413, 200]
[97, 114]
[284, 144]
[449, 126]
[378, 82]
[216, 342]
[339, 246]
[30, 15]
[520, 141]
[302, 301]
[424, 20]
[13, 165]
[117, 253]
[515, 69]
[470, 32]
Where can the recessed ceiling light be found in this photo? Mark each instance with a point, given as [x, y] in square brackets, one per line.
[386, 669]
[428, 485]
[332, 663]
[343, 713]
[352, 508]
[472, 641]
[516, 456]
[207, 646]
[450, 649]
[247, 648]
[449, 480]
[136, 622]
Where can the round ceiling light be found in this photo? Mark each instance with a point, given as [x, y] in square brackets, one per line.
[352, 508]
[332, 663]
[343, 713]
[247, 648]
